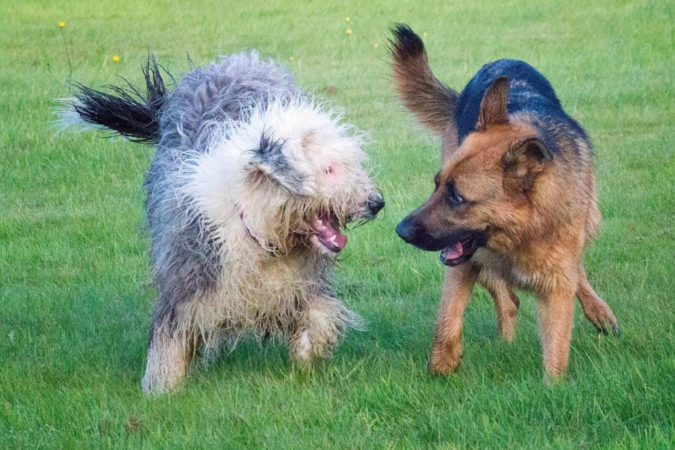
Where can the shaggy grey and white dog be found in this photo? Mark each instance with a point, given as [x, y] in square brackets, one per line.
[248, 191]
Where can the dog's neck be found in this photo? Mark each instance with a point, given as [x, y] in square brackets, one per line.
[248, 232]
[269, 248]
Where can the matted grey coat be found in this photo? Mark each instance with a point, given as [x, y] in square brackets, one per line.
[250, 186]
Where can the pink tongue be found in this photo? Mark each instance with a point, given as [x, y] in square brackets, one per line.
[340, 240]
[330, 235]
[453, 252]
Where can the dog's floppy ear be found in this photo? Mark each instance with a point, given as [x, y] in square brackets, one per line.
[493, 110]
[430, 100]
[270, 161]
[523, 162]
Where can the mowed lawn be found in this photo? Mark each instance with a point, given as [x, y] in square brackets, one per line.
[75, 297]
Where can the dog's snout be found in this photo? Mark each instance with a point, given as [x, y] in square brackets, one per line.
[375, 203]
[408, 229]
[413, 231]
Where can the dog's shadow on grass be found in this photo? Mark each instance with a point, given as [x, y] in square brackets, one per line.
[392, 341]
[265, 357]
[382, 351]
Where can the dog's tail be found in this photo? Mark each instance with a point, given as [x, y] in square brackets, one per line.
[430, 100]
[127, 111]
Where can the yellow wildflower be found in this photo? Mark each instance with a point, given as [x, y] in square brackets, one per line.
[116, 58]
[347, 19]
[62, 24]
[425, 34]
[291, 58]
[349, 31]
[375, 45]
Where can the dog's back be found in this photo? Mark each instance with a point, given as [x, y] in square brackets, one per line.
[224, 90]
[532, 97]
[530, 93]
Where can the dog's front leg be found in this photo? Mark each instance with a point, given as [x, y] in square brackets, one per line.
[556, 316]
[168, 360]
[318, 328]
[446, 351]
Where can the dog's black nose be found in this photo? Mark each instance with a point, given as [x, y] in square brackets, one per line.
[406, 230]
[375, 203]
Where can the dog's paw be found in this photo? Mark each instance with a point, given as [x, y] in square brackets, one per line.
[605, 328]
[445, 361]
[554, 378]
[153, 385]
[604, 321]
[302, 350]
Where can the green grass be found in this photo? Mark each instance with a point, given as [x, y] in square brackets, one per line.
[74, 295]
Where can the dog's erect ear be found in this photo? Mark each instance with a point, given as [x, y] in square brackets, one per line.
[493, 110]
[523, 162]
[430, 100]
[270, 161]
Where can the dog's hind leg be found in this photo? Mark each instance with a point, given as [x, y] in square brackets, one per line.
[595, 309]
[168, 360]
[318, 328]
[506, 304]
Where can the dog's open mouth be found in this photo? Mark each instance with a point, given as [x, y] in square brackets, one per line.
[463, 249]
[327, 236]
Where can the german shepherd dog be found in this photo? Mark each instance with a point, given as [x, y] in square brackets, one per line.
[515, 202]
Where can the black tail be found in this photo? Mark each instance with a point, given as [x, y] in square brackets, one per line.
[128, 111]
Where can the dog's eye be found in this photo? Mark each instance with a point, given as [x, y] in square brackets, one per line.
[452, 196]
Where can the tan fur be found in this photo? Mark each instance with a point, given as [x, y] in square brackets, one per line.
[536, 244]
[446, 350]
[419, 89]
[536, 212]
[506, 304]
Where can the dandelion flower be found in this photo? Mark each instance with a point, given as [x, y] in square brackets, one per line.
[347, 19]
[116, 58]
[425, 34]
[291, 58]
[62, 24]
[375, 45]
[349, 31]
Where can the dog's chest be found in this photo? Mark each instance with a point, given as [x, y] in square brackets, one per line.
[496, 265]
[273, 285]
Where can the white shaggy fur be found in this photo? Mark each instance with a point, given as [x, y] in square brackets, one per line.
[264, 280]
[251, 183]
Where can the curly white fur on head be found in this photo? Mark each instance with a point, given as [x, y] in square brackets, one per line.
[275, 171]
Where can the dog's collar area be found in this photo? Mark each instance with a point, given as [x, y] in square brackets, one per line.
[266, 246]
[243, 222]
